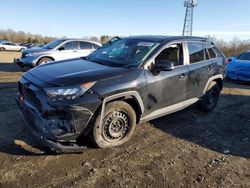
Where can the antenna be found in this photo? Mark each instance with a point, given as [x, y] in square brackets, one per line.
[188, 22]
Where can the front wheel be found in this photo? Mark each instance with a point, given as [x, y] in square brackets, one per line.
[44, 60]
[2, 49]
[211, 97]
[117, 127]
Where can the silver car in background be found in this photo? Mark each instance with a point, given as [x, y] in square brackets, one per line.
[10, 46]
[59, 49]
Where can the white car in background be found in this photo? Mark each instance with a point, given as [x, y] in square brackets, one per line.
[56, 50]
[10, 46]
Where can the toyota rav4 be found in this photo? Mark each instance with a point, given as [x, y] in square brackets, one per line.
[125, 82]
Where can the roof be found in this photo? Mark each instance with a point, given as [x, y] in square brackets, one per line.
[161, 38]
[77, 39]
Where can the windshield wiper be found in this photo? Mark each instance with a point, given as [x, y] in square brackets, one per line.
[97, 61]
[130, 66]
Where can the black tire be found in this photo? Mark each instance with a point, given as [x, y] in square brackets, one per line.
[26, 68]
[210, 98]
[44, 60]
[119, 122]
[21, 49]
[2, 49]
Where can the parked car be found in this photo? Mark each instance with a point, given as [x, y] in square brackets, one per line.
[10, 46]
[31, 45]
[238, 67]
[125, 82]
[59, 49]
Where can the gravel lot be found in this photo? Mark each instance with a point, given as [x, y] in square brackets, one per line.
[186, 149]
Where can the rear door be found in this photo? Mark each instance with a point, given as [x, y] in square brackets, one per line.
[200, 68]
[14, 47]
[85, 48]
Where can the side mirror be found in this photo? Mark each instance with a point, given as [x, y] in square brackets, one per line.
[61, 48]
[165, 65]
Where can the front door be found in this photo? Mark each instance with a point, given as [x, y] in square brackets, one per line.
[68, 50]
[167, 87]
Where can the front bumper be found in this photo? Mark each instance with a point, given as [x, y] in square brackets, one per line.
[28, 62]
[39, 127]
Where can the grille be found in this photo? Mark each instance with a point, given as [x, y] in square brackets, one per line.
[30, 96]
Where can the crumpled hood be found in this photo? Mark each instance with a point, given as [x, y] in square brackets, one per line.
[73, 72]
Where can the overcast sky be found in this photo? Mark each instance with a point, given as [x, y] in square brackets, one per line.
[78, 18]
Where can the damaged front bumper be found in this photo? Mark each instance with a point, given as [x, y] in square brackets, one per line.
[58, 130]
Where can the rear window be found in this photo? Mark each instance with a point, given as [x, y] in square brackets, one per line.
[196, 52]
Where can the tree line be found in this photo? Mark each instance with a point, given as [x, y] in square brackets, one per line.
[229, 48]
[22, 37]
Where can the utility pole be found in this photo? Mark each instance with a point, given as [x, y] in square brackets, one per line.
[188, 22]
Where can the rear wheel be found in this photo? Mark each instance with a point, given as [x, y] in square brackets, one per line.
[211, 97]
[44, 60]
[2, 49]
[117, 127]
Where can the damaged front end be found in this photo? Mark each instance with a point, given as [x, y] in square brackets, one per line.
[58, 124]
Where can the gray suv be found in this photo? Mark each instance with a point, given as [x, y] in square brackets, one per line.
[59, 49]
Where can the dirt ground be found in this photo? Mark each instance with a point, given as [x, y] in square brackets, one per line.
[186, 149]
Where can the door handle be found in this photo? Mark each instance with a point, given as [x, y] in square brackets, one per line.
[182, 76]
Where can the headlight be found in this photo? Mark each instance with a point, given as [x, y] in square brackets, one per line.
[71, 92]
[29, 54]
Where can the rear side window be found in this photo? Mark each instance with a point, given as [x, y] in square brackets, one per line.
[95, 46]
[85, 46]
[196, 52]
[210, 51]
[218, 52]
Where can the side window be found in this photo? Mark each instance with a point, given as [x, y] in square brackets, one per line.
[196, 52]
[95, 46]
[205, 46]
[173, 53]
[211, 52]
[218, 52]
[72, 45]
[85, 46]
